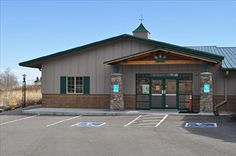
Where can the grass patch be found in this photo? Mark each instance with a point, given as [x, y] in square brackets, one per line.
[13, 98]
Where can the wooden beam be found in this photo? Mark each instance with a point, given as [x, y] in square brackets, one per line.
[166, 62]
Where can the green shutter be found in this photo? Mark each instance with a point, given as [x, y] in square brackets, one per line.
[63, 85]
[86, 83]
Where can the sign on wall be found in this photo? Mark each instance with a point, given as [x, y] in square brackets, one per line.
[116, 88]
[206, 88]
[145, 89]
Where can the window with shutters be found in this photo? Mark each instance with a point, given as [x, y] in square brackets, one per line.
[75, 85]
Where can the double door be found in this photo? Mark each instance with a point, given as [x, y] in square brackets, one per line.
[164, 93]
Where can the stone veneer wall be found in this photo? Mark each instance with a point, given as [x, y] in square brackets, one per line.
[84, 101]
[206, 99]
[117, 98]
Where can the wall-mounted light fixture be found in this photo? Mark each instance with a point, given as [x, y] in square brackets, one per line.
[226, 73]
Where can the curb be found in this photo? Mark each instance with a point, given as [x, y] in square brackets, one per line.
[50, 113]
[78, 113]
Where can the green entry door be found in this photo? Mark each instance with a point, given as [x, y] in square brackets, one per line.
[164, 93]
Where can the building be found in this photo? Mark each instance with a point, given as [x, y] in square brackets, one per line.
[135, 72]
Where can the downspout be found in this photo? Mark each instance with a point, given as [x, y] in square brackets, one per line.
[217, 106]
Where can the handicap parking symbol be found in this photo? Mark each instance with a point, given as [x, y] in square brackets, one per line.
[88, 124]
[195, 124]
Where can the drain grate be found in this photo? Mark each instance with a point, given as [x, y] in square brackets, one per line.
[201, 125]
[88, 124]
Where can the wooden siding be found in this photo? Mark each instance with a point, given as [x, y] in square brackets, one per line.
[129, 72]
[88, 63]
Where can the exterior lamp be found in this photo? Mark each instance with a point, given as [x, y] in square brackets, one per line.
[226, 73]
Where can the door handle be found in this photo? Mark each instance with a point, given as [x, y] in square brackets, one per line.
[163, 91]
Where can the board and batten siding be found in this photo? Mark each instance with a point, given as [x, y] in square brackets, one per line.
[129, 73]
[88, 63]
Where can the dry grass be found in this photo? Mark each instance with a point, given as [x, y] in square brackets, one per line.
[14, 96]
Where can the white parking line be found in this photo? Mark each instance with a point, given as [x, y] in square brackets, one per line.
[161, 120]
[145, 123]
[18, 120]
[132, 121]
[55, 123]
[152, 117]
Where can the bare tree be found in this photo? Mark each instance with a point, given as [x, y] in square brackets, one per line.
[8, 79]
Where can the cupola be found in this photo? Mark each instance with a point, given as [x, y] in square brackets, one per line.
[141, 32]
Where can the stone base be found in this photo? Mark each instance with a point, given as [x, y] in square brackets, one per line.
[206, 96]
[117, 102]
[117, 99]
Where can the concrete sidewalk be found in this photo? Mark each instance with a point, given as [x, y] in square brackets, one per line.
[102, 112]
[76, 111]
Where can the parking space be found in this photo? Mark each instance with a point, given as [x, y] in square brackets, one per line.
[7, 118]
[147, 121]
[142, 135]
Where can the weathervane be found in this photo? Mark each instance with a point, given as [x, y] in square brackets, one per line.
[141, 19]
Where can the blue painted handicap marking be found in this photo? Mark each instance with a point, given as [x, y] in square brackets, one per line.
[88, 124]
[207, 125]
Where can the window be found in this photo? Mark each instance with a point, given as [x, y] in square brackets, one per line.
[142, 85]
[74, 85]
[185, 89]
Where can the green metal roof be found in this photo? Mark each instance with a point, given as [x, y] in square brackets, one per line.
[229, 53]
[141, 28]
[37, 63]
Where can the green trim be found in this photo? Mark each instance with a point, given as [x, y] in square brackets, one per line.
[136, 100]
[177, 93]
[230, 69]
[153, 50]
[129, 56]
[116, 68]
[37, 63]
[160, 60]
[206, 67]
[163, 79]
[86, 83]
[181, 102]
[63, 84]
[150, 92]
[173, 48]
[140, 28]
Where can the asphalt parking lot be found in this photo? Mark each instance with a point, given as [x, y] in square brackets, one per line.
[159, 134]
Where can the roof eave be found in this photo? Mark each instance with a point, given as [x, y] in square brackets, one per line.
[110, 62]
[36, 63]
[229, 69]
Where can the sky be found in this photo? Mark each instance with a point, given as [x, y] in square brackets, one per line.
[35, 28]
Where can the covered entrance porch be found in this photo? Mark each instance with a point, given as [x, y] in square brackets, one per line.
[162, 79]
[164, 91]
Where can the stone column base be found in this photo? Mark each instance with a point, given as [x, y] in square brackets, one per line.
[206, 94]
[117, 97]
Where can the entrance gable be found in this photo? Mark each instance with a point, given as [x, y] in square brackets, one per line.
[160, 56]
